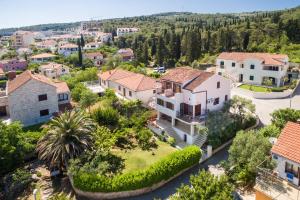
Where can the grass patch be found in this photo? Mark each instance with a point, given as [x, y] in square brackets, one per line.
[137, 158]
[256, 88]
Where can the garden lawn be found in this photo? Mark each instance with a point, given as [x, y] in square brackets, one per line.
[137, 158]
[254, 88]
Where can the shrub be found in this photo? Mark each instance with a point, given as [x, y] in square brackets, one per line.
[106, 117]
[159, 171]
[171, 141]
[143, 137]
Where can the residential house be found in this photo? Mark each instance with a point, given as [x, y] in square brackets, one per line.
[129, 85]
[67, 49]
[103, 37]
[43, 57]
[126, 54]
[126, 31]
[2, 74]
[54, 70]
[186, 97]
[47, 44]
[284, 181]
[96, 57]
[253, 68]
[22, 39]
[23, 51]
[33, 98]
[13, 64]
[91, 45]
[92, 25]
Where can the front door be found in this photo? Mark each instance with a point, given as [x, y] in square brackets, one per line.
[241, 79]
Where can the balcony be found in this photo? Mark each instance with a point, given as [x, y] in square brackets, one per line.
[274, 187]
[191, 119]
[166, 92]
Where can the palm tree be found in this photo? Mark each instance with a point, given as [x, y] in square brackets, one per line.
[67, 137]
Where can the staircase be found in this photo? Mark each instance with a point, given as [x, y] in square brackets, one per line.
[171, 132]
[200, 140]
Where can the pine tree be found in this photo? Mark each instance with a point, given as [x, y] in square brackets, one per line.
[160, 54]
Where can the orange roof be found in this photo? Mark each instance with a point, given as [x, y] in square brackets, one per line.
[43, 55]
[115, 74]
[27, 76]
[137, 82]
[181, 74]
[52, 65]
[265, 58]
[130, 80]
[61, 87]
[288, 143]
[93, 54]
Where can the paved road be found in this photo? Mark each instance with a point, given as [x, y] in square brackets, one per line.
[170, 188]
[264, 107]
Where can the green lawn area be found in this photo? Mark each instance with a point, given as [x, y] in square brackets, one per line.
[137, 158]
[254, 88]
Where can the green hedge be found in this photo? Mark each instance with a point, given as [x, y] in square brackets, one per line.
[159, 171]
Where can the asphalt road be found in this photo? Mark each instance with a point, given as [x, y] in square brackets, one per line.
[264, 107]
[170, 188]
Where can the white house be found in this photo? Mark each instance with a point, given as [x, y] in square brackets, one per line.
[22, 39]
[54, 70]
[47, 44]
[286, 153]
[185, 98]
[67, 49]
[129, 85]
[126, 31]
[253, 68]
[92, 45]
[43, 57]
[33, 98]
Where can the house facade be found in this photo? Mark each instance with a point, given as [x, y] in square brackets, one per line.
[67, 49]
[129, 85]
[47, 44]
[22, 39]
[33, 98]
[13, 64]
[286, 175]
[96, 57]
[126, 54]
[43, 57]
[186, 96]
[253, 68]
[91, 45]
[126, 31]
[54, 70]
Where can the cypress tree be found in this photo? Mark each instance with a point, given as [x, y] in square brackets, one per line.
[80, 55]
[82, 42]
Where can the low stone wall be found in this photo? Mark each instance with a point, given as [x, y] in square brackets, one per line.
[123, 194]
[272, 95]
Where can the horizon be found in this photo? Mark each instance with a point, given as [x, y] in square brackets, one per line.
[31, 13]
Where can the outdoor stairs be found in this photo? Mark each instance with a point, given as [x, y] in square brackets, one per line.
[200, 140]
[171, 132]
[46, 188]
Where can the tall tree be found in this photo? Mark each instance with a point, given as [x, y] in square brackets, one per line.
[160, 54]
[146, 53]
[68, 136]
[82, 42]
[80, 62]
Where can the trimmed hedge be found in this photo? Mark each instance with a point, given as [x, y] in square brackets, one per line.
[159, 171]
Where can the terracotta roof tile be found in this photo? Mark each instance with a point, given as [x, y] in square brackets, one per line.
[288, 143]
[199, 80]
[61, 87]
[43, 55]
[115, 74]
[266, 58]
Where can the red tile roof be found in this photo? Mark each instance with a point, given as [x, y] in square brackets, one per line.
[43, 55]
[61, 87]
[288, 143]
[266, 58]
[27, 76]
[130, 80]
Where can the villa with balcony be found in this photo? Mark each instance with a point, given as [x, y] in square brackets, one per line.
[185, 98]
[253, 68]
[284, 181]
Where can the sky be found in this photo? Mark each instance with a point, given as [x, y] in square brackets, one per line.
[17, 13]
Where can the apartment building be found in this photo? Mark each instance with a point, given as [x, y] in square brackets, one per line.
[126, 31]
[22, 39]
[185, 98]
[253, 68]
[47, 44]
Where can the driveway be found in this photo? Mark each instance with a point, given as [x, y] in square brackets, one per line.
[264, 107]
[170, 188]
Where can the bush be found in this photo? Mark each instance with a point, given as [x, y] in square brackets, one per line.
[171, 141]
[143, 137]
[106, 117]
[159, 171]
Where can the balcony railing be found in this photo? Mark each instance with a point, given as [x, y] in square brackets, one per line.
[166, 92]
[190, 119]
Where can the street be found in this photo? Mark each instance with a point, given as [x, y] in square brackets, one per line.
[264, 107]
[170, 188]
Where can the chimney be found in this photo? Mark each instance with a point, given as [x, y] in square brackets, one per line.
[11, 75]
